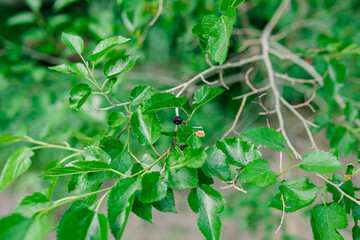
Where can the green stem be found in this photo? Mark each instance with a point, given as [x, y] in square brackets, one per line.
[355, 172]
[68, 157]
[134, 157]
[185, 112]
[98, 204]
[117, 172]
[48, 145]
[286, 170]
[152, 146]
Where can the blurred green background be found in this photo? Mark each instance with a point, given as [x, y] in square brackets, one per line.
[34, 99]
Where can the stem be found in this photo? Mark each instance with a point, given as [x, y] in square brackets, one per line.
[98, 204]
[117, 172]
[48, 145]
[288, 169]
[188, 116]
[68, 157]
[152, 146]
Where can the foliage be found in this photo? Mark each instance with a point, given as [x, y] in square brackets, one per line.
[129, 154]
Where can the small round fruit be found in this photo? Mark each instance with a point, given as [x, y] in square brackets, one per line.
[177, 120]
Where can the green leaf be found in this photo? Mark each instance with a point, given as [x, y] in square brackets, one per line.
[327, 220]
[34, 5]
[204, 95]
[106, 45]
[60, 4]
[267, 137]
[153, 188]
[215, 34]
[343, 140]
[258, 173]
[21, 18]
[78, 95]
[149, 159]
[18, 163]
[337, 71]
[164, 100]
[64, 171]
[226, 4]
[184, 178]
[92, 165]
[82, 223]
[192, 158]
[115, 119]
[320, 162]
[74, 43]
[210, 203]
[76, 69]
[216, 164]
[167, 204]
[17, 227]
[93, 153]
[349, 169]
[346, 187]
[146, 126]
[297, 192]
[122, 163]
[9, 139]
[142, 210]
[140, 94]
[32, 204]
[238, 152]
[184, 133]
[119, 65]
[119, 204]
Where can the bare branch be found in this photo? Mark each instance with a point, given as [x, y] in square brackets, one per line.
[113, 106]
[158, 13]
[294, 80]
[263, 89]
[236, 119]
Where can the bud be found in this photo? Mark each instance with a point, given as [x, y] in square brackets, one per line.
[200, 133]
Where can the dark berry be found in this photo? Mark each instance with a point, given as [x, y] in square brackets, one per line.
[177, 120]
[182, 147]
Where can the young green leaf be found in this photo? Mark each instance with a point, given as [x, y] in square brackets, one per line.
[337, 71]
[184, 133]
[119, 204]
[238, 152]
[76, 69]
[204, 95]
[74, 43]
[122, 162]
[326, 221]
[146, 126]
[226, 4]
[82, 223]
[78, 95]
[216, 164]
[184, 178]
[164, 100]
[21, 18]
[267, 137]
[320, 162]
[216, 33]
[148, 159]
[64, 171]
[16, 227]
[106, 45]
[93, 153]
[119, 65]
[60, 4]
[153, 188]
[140, 94]
[34, 5]
[258, 173]
[346, 187]
[167, 204]
[32, 204]
[91, 165]
[142, 210]
[192, 158]
[9, 139]
[297, 192]
[210, 203]
[18, 163]
[115, 119]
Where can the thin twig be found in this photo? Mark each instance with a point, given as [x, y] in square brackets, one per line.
[158, 13]
[339, 189]
[233, 183]
[114, 106]
[236, 119]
